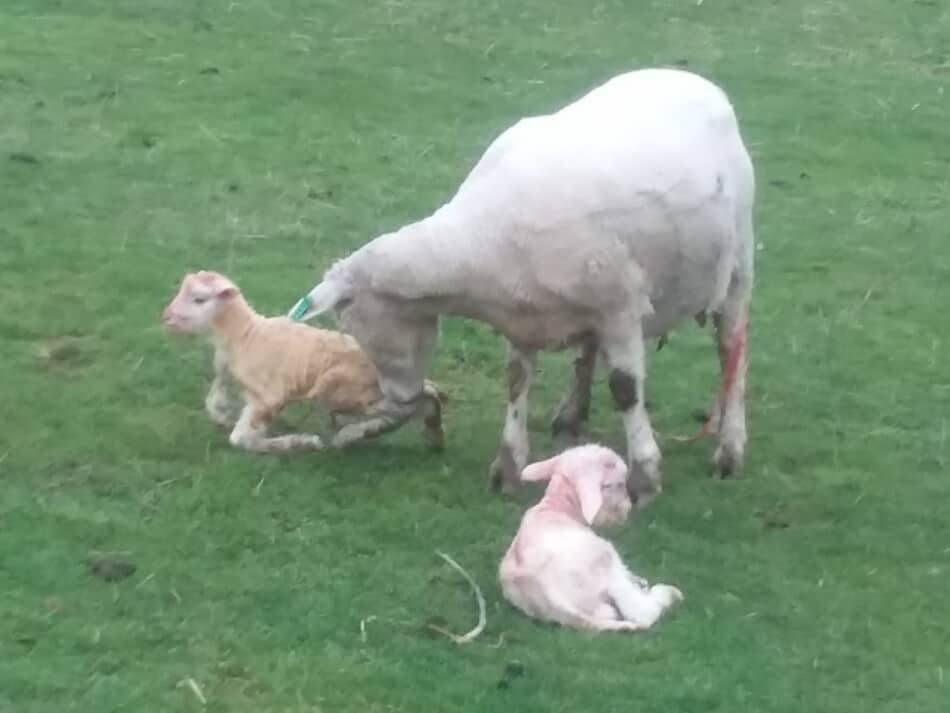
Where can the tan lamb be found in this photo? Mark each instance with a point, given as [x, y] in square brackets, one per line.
[275, 360]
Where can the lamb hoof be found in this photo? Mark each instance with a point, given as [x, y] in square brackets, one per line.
[434, 438]
[624, 625]
[504, 472]
[666, 594]
[304, 442]
[726, 462]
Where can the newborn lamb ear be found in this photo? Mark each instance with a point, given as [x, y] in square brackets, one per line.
[587, 487]
[542, 470]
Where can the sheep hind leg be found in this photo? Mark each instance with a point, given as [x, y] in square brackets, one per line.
[512, 454]
[250, 434]
[626, 364]
[574, 410]
[728, 415]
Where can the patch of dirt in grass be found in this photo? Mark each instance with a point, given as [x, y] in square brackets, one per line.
[111, 568]
[66, 352]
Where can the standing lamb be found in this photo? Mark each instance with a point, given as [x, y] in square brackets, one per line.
[558, 570]
[600, 226]
[275, 360]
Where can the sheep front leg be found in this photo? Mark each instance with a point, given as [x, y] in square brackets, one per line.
[387, 416]
[250, 433]
[430, 405]
[626, 364]
[574, 409]
[513, 452]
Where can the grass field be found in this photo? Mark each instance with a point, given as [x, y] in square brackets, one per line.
[143, 138]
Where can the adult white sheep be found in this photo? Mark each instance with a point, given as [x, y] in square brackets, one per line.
[599, 226]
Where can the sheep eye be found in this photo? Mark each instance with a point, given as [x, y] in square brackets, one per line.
[200, 300]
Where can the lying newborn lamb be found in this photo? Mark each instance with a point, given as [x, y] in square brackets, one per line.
[558, 570]
[275, 360]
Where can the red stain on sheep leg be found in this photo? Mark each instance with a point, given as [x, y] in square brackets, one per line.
[729, 371]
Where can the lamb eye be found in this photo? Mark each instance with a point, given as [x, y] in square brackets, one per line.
[200, 300]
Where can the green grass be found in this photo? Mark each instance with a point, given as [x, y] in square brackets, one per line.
[143, 138]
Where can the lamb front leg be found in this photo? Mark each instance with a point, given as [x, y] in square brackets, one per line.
[250, 433]
[513, 452]
[218, 402]
[574, 409]
[626, 364]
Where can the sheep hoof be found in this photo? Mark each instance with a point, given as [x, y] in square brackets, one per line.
[562, 426]
[727, 461]
[504, 472]
[434, 438]
[645, 483]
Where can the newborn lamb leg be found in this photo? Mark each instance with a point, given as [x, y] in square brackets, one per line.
[639, 605]
[250, 433]
[566, 613]
[217, 403]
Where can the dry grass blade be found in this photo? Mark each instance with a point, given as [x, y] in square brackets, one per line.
[192, 686]
[480, 600]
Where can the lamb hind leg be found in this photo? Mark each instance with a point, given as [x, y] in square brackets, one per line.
[640, 604]
[250, 433]
[513, 452]
[565, 613]
[574, 409]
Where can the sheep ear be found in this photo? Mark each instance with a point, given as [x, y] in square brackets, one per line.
[228, 292]
[320, 299]
[542, 470]
[588, 492]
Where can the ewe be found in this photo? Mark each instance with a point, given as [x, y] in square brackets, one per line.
[558, 570]
[607, 223]
[275, 360]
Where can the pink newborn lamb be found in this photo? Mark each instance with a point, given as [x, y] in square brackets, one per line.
[557, 569]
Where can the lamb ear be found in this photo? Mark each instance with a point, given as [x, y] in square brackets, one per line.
[320, 299]
[542, 470]
[588, 492]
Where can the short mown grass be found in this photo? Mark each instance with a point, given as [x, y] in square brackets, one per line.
[263, 138]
